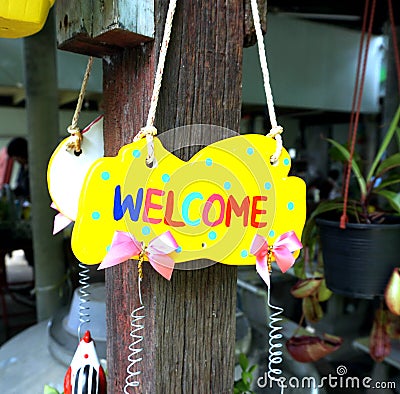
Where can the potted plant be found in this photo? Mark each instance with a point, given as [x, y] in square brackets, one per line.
[354, 261]
[359, 258]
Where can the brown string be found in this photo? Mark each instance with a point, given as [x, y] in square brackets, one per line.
[343, 218]
[395, 44]
[353, 105]
[75, 140]
[360, 50]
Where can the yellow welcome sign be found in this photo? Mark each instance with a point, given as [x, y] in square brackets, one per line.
[213, 205]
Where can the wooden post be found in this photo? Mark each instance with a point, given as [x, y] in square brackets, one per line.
[190, 321]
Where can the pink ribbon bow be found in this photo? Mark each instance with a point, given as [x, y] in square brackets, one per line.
[282, 250]
[125, 246]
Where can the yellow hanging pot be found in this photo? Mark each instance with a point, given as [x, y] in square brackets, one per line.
[21, 18]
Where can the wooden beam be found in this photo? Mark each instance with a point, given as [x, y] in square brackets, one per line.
[190, 322]
[19, 96]
[100, 28]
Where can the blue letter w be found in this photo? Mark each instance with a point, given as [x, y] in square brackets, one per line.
[120, 208]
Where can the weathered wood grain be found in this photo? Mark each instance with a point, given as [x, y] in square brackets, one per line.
[99, 28]
[250, 38]
[190, 321]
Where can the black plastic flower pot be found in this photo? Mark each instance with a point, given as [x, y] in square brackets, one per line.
[359, 259]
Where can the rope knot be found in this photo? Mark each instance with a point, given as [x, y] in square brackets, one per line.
[75, 139]
[150, 131]
[73, 129]
[275, 131]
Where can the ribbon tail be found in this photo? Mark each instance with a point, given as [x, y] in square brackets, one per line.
[60, 222]
[262, 269]
[123, 247]
[163, 264]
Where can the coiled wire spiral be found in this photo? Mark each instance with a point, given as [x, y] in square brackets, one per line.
[274, 354]
[131, 379]
[84, 316]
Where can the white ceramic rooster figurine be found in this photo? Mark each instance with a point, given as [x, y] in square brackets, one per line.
[85, 374]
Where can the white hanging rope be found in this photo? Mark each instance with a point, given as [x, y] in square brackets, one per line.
[276, 129]
[161, 63]
[149, 131]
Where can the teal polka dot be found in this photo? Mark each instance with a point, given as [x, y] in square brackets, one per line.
[244, 253]
[290, 206]
[108, 248]
[271, 233]
[267, 185]
[227, 185]
[105, 175]
[250, 151]
[145, 230]
[96, 215]
[136, 153]
[212, 235]
[165, 178]
[286, 161]
[178, 249]
[209, 162]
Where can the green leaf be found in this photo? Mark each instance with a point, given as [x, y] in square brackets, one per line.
[398, 137]
[241, 386]
[385, 143]
[243, 361]
[392, 197]
[354, 166]
[252, 368]
[50, 390]
[247, 377]
[388, 164]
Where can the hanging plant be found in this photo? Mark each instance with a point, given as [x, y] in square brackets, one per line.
[311, 348]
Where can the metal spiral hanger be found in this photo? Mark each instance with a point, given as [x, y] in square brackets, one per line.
[84, 295]
[137, 316]
[274, 353]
